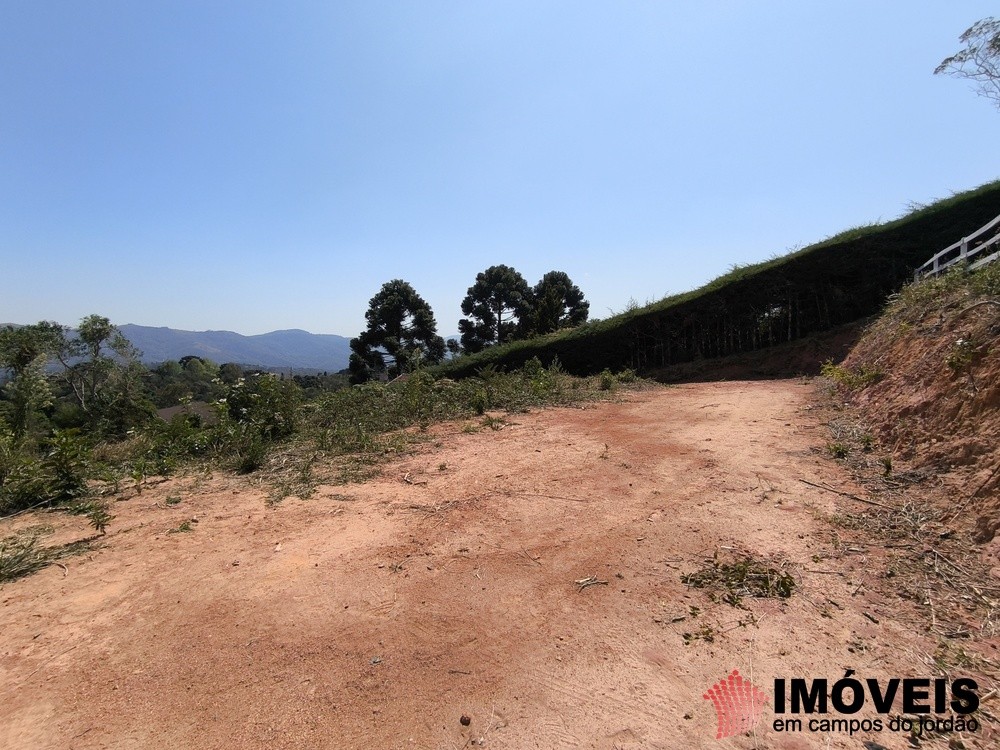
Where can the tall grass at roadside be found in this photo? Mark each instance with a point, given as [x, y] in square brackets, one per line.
[265, 428]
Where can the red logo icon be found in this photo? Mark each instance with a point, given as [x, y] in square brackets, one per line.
[738, 704]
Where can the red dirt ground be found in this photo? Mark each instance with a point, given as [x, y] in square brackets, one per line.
[376, 615]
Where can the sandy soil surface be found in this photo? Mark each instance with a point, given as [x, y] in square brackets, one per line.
[377, 615]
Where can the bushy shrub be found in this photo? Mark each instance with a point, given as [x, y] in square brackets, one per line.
[266, 403]
[628, 375]
[539, 379]
[533, 369]
[480, 401]
[22, 476]
[29, 478]
[68, 463]
[248, 447]
[962, 353]
[419, 402]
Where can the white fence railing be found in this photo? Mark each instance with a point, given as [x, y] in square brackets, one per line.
[965, 250]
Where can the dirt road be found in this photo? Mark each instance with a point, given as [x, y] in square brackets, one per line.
[378, 615]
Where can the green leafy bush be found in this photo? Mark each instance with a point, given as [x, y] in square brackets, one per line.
[628, 375]
[268, 404]
[29, 478]
[68, 464]
[23, 481]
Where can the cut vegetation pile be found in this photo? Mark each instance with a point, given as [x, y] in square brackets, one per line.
[741, 576]
[21, 554]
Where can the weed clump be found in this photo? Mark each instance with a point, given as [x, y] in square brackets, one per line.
[853, 380]
[838, 449]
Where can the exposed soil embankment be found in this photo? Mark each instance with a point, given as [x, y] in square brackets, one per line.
[926, 377]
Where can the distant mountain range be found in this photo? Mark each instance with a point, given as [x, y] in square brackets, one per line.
[294, 349]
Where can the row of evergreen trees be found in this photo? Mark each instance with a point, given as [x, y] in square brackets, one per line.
[499, 307]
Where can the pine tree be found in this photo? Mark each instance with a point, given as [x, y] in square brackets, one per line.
[401, 332]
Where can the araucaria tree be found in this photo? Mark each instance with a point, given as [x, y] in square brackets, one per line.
[498, 305]
[558, 303]
[401, 333]
[979, 61]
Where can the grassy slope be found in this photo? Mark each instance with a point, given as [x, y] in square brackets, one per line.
[836, 281]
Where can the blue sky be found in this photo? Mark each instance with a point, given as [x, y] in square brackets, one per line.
[253, 166]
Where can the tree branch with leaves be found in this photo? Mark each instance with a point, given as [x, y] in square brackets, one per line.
[979, 60]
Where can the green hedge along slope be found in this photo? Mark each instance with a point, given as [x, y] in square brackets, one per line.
[839, 280]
